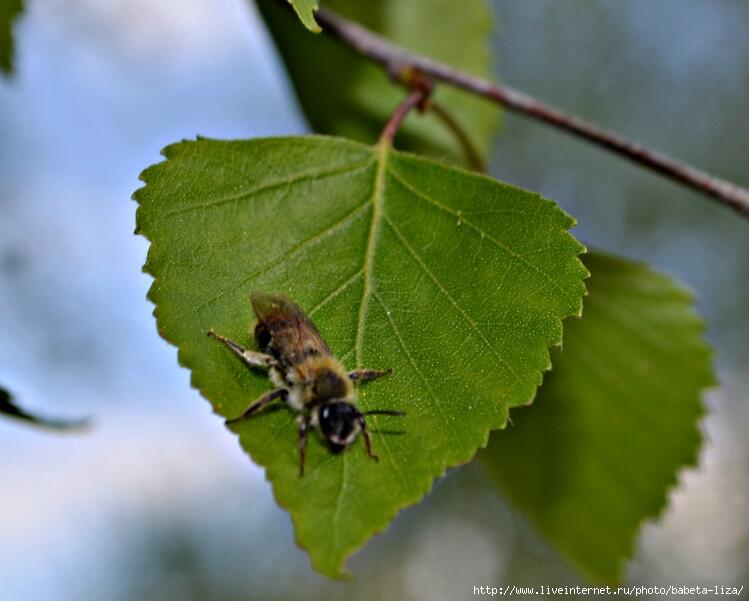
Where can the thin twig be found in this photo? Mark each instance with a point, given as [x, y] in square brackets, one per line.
[397, 60]
[472, 154]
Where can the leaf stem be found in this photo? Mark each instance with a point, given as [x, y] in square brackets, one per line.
[417, 97]
[472, 154]
[396, 59]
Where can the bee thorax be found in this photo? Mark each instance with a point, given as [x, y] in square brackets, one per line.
[296, 398]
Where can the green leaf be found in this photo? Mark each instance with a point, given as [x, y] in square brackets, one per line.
[614, 422]
[305, 11]
[9, 11]
[9, 408]
[455, 280]
[345, 94]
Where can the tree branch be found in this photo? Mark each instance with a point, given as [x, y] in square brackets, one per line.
[397, 60]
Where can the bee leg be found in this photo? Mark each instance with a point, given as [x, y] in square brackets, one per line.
[364, 375]
[303, 427]
[251, 358]
[259, 404]
[365, 434]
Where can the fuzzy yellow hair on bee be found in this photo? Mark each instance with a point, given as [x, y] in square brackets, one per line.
[305, 374]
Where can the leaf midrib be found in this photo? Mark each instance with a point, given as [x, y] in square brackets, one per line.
[376, 200]
[382, 152]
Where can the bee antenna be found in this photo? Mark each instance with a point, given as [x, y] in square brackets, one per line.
[385, 412]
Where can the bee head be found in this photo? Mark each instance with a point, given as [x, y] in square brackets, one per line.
[340, 422]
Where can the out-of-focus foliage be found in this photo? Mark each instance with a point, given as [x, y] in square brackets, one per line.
[615, 420]
[305, 10]
[9, 408]
[9, 11]
[344, 94]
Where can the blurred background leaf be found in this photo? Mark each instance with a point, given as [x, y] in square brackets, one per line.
[9, 11]
[9, 408]
[615, 421]
[305, 11]
[343, 94]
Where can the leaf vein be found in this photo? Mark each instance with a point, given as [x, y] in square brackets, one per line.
[335, 293]
[452, 301]
[502, 246]
[287, 181]
[346, 220]
[423, 378]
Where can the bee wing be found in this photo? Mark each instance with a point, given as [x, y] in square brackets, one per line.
[284, 331]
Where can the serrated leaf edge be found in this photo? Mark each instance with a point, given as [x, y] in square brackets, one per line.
[426, 483]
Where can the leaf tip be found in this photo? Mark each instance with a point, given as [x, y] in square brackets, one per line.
[305, 10]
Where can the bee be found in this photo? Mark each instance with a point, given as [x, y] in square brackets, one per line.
[305, 374]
